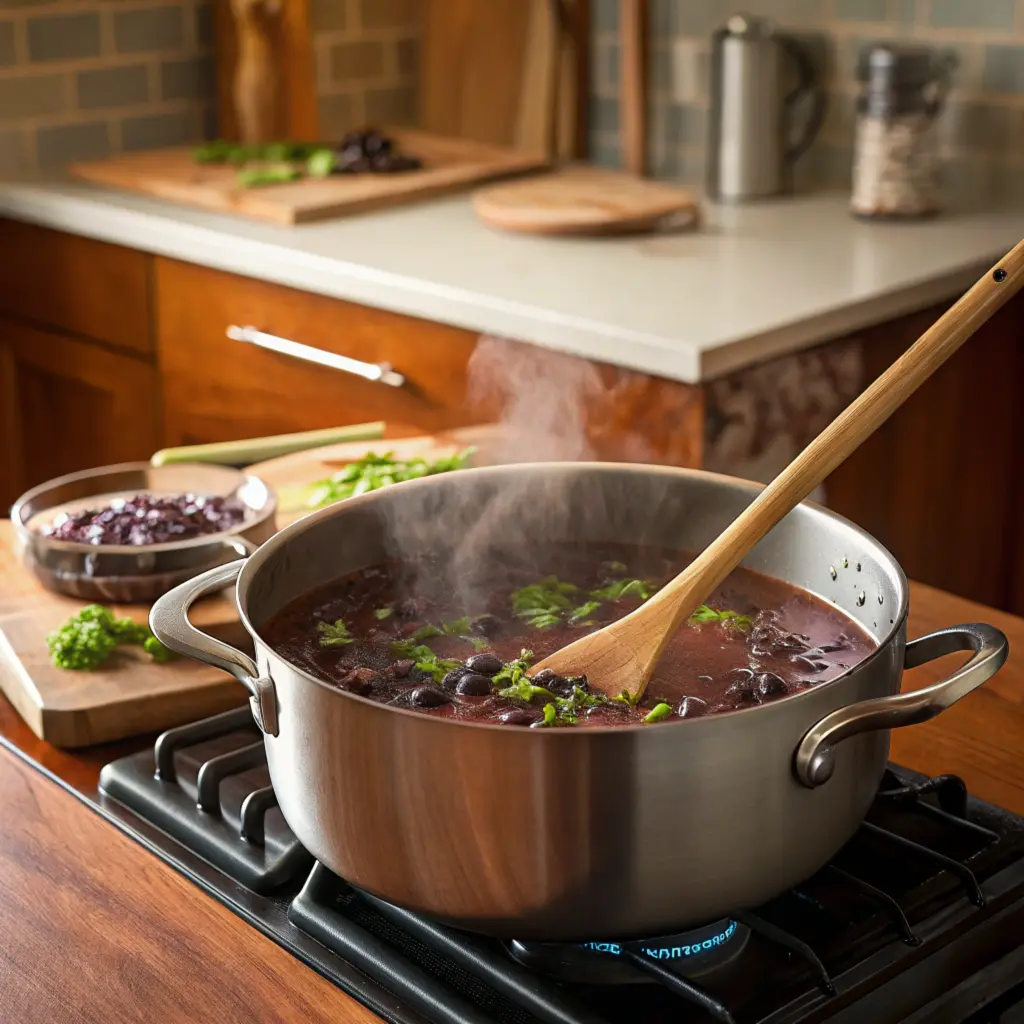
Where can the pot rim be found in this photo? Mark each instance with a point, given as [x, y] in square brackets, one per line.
[281, 538]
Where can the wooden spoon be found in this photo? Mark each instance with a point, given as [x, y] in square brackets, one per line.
[622, 656]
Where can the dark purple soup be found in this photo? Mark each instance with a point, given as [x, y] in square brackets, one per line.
[459, 642]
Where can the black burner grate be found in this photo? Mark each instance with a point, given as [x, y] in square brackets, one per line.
[924, 901]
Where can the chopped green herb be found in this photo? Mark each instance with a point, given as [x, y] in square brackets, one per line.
[87, 639]
[523, 689]
[458, 627]
[424, 658]
[425, 632]
[383, 613]
[618, 589]
[320, 163]
[512, 671]
[334, 634]
[269, 174]
[658, 713]
[373, 471]
[578, 615]
[550, 714]
[630, 699]
[706, 614]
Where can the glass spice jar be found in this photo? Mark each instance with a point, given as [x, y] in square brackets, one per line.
[896, 165]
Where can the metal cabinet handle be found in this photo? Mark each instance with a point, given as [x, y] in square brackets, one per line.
[172, 627]
[380, 372]
[816, 755]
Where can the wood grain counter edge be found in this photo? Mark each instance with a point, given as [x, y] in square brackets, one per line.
[96, 929]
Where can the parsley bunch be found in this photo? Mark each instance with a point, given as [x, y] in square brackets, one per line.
[88, 639]
[373, 471]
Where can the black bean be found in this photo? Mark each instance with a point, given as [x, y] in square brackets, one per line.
[428, 697]
[790, 642]
[486, 624]
[473, 684]
[742, 693]
[451, 679]
[487, 664]
[692, 707]
[741, 676]
[401, 669]
[359, 680]
[518, 716]
[717, 708]
[771, 685]
[809, 664]
[760, 652]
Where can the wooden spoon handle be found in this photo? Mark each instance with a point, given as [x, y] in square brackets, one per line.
[838, 440]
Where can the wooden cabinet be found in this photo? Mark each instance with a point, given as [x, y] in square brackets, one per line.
[67, 405]
[77, 285]
[215, 388]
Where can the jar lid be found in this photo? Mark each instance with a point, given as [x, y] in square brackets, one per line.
[748, 26]
[896, 65]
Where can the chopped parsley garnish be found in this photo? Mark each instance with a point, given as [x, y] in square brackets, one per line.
[512, 671]
[580, 616]
[629, 699]
[383, 613]
[374, 471]
[616, 590]
[543, 604]
[706, 614]
[426, 632]
[658, 713]
[334, 634]
[424, 658]
[550, 714]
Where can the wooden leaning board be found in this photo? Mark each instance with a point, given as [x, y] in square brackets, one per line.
[130, 694]
[172, 174]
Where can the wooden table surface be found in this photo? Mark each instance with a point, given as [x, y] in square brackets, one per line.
[95, 929]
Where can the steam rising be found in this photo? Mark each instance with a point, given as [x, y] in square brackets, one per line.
[542, 399]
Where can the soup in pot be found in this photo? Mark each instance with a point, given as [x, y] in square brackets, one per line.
[460, 642]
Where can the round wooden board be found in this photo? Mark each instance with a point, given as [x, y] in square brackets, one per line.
[585, 201]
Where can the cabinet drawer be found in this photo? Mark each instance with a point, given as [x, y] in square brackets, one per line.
[75, 284]
[217, 389]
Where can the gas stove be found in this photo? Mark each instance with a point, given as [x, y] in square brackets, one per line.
[918, 919]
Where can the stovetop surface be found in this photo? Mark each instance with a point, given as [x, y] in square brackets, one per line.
[918, 919]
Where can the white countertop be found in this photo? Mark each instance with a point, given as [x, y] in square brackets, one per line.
[752, 283]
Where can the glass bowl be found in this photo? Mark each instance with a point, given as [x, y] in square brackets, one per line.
[136, 573]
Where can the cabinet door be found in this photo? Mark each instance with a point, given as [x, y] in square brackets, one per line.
[218, 389]
[67, 405]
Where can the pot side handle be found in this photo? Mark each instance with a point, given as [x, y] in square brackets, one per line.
[171, 625]
[815, 756]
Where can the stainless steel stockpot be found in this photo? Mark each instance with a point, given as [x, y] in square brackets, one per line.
[576, 834]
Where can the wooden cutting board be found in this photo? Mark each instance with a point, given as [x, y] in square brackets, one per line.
[583, 200]
[127, 696]
[131, 694]
[449, 164]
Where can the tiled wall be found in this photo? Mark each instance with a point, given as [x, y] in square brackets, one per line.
[81, 78]
[982, 128]
[366, 54]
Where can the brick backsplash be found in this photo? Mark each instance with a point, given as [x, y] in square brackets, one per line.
[366, 60]
[83, 78]
[981, 130]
